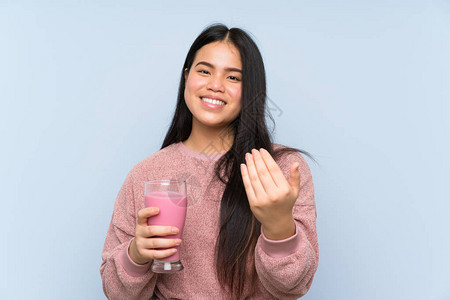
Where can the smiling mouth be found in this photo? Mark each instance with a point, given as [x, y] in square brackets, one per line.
[213, 101]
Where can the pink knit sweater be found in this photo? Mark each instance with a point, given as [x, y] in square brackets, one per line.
[285, 268]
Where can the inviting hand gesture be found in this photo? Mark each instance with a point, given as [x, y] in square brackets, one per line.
[270, 195]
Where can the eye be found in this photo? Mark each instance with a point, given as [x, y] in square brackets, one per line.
[203, 72]
[234, 78]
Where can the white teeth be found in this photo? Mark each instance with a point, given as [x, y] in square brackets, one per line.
[213, 101]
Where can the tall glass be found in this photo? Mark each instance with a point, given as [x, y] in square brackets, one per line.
[171, 198]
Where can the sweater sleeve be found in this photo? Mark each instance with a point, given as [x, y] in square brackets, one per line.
[121, 277]
[286, 268]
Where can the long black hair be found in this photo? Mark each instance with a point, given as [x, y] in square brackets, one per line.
[239, 229]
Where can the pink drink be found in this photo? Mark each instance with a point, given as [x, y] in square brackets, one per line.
[172, 212]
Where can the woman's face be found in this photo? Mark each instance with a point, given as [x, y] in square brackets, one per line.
[214, 86]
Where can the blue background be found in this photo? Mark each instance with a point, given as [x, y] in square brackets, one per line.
[87, 89]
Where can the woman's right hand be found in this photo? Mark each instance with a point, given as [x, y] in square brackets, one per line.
[147, 243]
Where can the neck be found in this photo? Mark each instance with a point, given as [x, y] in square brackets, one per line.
[209, 140]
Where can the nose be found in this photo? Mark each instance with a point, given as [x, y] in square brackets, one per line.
[215, 84]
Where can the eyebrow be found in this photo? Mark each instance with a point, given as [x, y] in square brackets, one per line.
[212, 67]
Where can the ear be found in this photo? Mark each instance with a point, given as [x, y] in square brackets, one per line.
[186, 72]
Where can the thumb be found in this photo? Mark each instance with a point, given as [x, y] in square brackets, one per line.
[294, 177]
[146, 213]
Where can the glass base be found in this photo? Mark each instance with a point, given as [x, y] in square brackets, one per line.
[166, 267]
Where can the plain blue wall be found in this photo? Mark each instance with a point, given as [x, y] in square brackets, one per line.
[87, 89]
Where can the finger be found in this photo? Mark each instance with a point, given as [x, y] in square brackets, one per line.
[146, 213]
[161, 243]
[254, 179]
[294, 177]
[274, 169]
[158, 254]
[263, 172]
[247, 184]
[156, 230]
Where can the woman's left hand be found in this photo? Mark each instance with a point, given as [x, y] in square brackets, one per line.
[270, 195]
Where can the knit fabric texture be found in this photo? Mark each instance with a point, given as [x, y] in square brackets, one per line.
[285, 268]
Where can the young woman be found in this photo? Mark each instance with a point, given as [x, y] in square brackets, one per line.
[250, 226]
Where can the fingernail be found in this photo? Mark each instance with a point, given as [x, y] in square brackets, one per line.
[177, 242]
[255, 152]
[174, 230]
[248, 156]
[263, 151]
